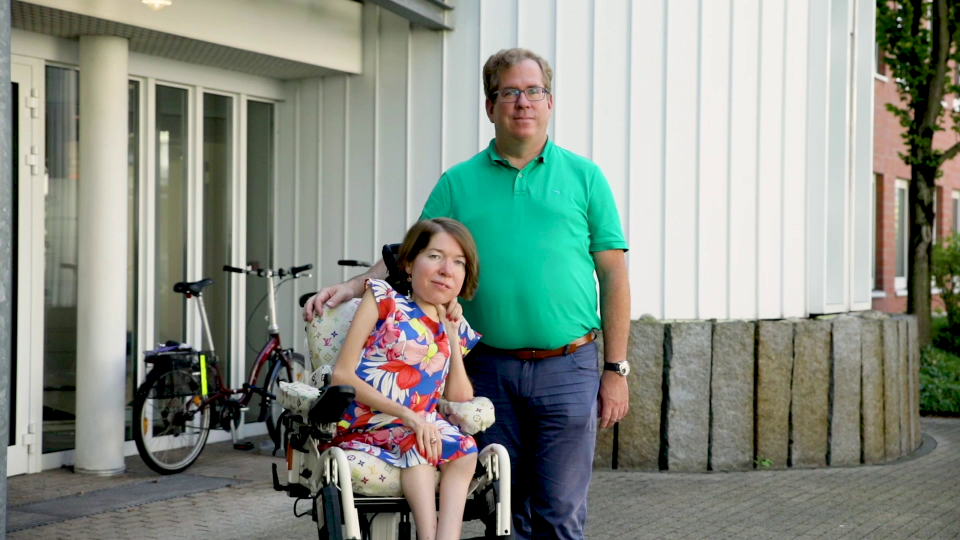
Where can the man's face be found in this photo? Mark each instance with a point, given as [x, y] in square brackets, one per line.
[522, 119]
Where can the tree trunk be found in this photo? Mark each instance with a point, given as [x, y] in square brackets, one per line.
[922, 188]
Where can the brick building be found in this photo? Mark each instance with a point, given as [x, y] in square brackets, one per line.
[891, 183]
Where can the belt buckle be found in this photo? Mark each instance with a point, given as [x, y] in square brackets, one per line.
[527, 355]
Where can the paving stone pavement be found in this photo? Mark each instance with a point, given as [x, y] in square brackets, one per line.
[914, 499]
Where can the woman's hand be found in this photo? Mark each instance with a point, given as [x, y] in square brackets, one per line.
[428, 436]
[450, 315]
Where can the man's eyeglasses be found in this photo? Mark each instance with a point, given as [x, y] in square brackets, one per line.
[510, 95]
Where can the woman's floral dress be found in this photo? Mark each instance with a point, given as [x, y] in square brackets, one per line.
[407, 359]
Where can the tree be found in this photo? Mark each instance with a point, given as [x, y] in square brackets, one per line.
[919, 40]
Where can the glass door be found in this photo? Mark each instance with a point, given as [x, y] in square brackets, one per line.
[60, 271]
[26, 319]
[217, 220]
[172, 151]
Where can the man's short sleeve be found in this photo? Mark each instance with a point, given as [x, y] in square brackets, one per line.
[603, 218]
[438, 203]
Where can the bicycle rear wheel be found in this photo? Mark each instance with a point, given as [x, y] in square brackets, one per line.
[172, 426]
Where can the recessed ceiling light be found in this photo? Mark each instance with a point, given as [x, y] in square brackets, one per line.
[157, 5]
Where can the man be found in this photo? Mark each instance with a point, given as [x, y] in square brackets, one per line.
[544, 220]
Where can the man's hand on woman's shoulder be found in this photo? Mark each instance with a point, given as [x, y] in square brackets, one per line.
[331, 296]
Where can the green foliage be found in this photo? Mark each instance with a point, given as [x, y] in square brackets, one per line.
[762, 463]
[945, 269]
[905, 34]
[939, 381]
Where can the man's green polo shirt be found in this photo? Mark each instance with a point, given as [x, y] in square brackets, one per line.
[535, 231]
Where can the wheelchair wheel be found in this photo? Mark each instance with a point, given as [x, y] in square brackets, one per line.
[171, 426]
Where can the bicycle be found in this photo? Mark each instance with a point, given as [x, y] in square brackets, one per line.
[184, 395]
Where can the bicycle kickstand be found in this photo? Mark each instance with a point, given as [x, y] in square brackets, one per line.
[237, 443]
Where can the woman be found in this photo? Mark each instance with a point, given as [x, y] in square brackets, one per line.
[402, 348]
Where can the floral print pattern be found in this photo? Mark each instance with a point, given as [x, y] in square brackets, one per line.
[407, 359]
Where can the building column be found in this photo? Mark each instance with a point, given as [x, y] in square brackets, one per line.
[102, 256]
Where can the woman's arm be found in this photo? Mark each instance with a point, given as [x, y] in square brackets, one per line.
[345, 370]
[458, 387]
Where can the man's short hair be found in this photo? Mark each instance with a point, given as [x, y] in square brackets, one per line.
[507, 58]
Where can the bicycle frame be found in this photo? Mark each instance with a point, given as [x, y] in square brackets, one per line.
[271, 347]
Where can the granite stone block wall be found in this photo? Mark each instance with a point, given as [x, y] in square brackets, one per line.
[836, 390]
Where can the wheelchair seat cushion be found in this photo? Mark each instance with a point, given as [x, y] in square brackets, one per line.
[374, 477]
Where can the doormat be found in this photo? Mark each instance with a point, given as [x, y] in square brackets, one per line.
[40, 513]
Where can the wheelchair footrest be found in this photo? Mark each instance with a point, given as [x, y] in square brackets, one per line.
[293, 490]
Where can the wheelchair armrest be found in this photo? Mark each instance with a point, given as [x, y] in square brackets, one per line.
[470, 417]
[331, 403]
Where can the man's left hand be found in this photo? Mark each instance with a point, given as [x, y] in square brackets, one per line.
[614, 399]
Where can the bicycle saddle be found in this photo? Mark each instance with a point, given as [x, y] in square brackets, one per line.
[192, 287]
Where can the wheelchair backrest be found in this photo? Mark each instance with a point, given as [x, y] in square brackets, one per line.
[325, 333]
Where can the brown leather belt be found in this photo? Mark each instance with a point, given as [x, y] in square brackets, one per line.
[540, 354]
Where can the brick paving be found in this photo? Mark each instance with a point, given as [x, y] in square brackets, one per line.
[913, 499]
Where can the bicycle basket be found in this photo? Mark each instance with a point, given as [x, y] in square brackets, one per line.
[185, 375]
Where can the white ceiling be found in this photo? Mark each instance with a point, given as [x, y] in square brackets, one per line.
[66, 24]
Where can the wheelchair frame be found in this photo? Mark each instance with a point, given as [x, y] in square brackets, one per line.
[342, 515]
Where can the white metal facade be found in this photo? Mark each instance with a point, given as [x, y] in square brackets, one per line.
[736, 136]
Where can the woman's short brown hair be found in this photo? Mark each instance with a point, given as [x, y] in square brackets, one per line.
[507, 58]
[417, 239]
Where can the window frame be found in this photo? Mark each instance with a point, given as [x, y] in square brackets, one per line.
[900, 282]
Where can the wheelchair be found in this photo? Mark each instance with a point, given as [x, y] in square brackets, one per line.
[352, 495]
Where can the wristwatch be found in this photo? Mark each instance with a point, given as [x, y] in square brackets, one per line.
[621, 368]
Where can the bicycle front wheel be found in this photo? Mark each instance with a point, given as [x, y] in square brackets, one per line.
[279, 373]
[173, 422]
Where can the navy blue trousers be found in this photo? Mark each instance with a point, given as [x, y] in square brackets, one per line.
[546, 417]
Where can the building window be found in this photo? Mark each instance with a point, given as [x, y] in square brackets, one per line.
[936, 213]
[956, 211]
[874, 233]
[880, 68]
[901, 234]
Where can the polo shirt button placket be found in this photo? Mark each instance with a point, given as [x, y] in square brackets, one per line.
[518, 187]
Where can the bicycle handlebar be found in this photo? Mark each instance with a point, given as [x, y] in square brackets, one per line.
[292, 271]
[297, 269]
[352, 262]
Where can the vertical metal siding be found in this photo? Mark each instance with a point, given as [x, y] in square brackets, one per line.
[770, 168]
[391, 120]
[717, 123]
[680, 161]
[647, 129]
[793, 197]
[744, 121]
[713, 146]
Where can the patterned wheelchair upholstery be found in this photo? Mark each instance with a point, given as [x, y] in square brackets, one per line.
[370, 476]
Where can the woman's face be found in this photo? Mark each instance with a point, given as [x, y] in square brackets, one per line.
[437, 272]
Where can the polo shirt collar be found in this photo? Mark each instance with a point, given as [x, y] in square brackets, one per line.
[495, 158]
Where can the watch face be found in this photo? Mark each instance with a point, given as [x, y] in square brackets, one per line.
[624, 368]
